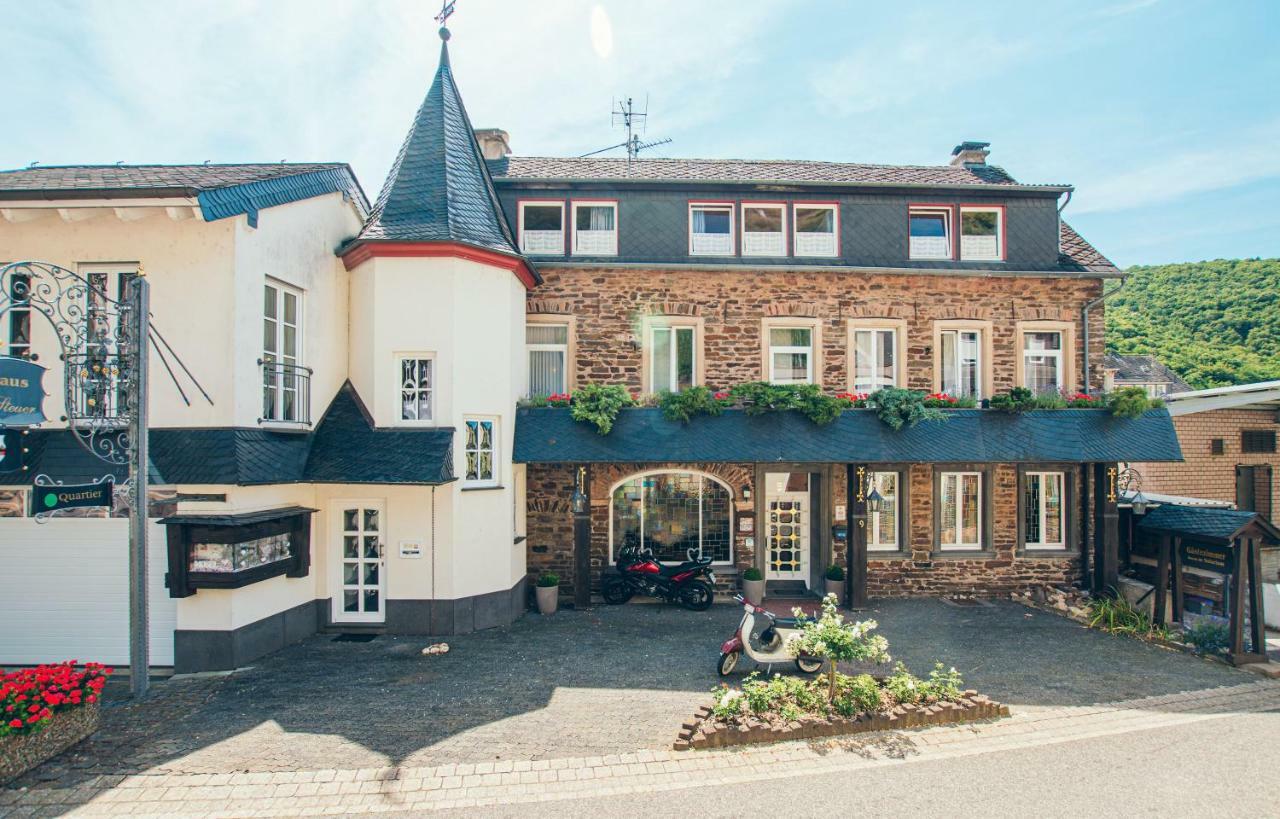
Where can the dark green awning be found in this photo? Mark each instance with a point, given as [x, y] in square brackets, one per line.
[551, 435]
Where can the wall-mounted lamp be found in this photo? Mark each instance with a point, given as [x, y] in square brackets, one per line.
[579, 499]
[1139, 504]
[875, 500]
[746, 492]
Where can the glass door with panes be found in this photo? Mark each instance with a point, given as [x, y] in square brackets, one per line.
[787, 511]
[362, 583]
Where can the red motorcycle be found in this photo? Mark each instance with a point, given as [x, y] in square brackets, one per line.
[691, 583]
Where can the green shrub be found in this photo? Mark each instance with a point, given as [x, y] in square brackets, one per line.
[684, 405]
[1208, 636]
[835, 572]
[1117, 615]
[752, 574]
[832, 640]
[1131, 402]
[548, 579]
[760, 397]
[727, 703]
[905, 687]
[944, 684]
[898, 407]
[1018, 399]
[599, 404]
[1050, 401]
[856, 694]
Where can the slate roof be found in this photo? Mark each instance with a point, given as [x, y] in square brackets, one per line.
[976, 436]
[1144, 369]
[439, 188]
[1203, 523]
[544, 168]
[221, 190]
[344, 447]
[1078, 254]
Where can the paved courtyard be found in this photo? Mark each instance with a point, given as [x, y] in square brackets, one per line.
[595, 683]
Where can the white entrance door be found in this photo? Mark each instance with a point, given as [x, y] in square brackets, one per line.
[360, 591]
[787, 521]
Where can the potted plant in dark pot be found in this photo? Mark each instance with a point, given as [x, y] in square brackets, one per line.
[548, 592]
[753, 586]
[835, 581]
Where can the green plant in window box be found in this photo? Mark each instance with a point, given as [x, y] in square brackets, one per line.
[599, 404]
[682, 406]
[1131, 402]
[1018, 399]
[898, 407]
[1050, 401]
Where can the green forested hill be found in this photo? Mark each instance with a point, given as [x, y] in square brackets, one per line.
[1216, 323]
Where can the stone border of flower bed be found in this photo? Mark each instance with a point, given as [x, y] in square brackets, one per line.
[20, 753]
[704, 731]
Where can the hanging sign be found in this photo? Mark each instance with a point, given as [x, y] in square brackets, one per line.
[1217, 559]
[10, 450]
[21, 392]
[46, 499]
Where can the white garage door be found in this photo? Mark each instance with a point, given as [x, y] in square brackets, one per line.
[64, 592]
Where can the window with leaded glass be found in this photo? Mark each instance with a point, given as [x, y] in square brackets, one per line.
[960, 511]
[1043, 510]
[481, 451]
[882, 534]
[417, 388]
[548, 348]
[671, 513]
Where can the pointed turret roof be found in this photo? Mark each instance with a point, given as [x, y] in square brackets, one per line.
[439, 189]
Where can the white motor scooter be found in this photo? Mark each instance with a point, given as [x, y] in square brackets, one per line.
[772, 641]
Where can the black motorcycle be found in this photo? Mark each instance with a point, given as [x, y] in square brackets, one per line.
[691, 583]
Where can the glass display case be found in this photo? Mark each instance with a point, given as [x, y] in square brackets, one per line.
[235, 549]
[235, 557]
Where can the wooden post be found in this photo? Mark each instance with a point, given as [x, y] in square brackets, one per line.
[582, 543]
[1257, 624]
[1179, 586]
[1237, 600]
[1162, 580]
[1106, 529]
[856, 534]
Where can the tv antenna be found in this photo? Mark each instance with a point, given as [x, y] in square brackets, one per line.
[625, 114]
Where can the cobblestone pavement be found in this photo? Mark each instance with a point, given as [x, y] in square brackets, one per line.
[591, 684]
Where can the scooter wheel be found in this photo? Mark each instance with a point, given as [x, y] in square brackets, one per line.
[728, 662]
[696, 596]
[616, 592]
[809, 666]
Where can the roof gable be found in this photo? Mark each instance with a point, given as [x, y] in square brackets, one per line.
[439, 189]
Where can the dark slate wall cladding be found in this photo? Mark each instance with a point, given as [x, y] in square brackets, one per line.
[653, 224]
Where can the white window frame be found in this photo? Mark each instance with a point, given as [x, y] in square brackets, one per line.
[875, 332]
[780, 242]
[298, 360]
[946, 211]
[960, 546]
[15, 315]
[873, 528]
[611, 247]
[811, 351]
[495, 442]
[796, 234]
[673, 327]
[1042, 512]
[970, 256]
[565, 322]
[1057, 355]
[979, 364]
[719, 207]
[524, 203]
[400, 358]
[704, 476]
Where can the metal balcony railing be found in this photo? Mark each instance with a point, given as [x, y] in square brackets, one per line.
[286, 392]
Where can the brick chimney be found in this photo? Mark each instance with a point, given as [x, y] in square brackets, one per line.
[970, 153]
[495, 143]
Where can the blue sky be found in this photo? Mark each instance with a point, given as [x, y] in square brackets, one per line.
[1163, 113]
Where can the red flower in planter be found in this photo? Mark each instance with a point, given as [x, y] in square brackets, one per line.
[15, 723]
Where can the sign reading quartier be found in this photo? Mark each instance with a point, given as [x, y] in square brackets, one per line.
[46, 499]
[21, 392]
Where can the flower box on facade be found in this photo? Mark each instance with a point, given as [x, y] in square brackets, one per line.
[20, 753]
[232, 550]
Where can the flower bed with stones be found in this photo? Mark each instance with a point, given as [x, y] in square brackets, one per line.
[45, 710]
[707, 731]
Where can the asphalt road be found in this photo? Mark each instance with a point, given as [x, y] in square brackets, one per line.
[1218, 767]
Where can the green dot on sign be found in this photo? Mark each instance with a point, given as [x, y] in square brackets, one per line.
[50, 500]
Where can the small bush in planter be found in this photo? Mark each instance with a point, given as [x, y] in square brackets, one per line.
[752, 574]
[835, 572]
[547, 580]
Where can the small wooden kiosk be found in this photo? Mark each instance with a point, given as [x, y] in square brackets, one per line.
[1221, 541]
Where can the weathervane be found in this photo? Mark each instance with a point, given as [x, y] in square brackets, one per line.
[446, 11]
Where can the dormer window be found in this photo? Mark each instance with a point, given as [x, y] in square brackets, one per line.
[710, 229]
[595, 228]
[981, 234]
[542, 228]
[816, 227]
[930, 228]
[764, 230]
